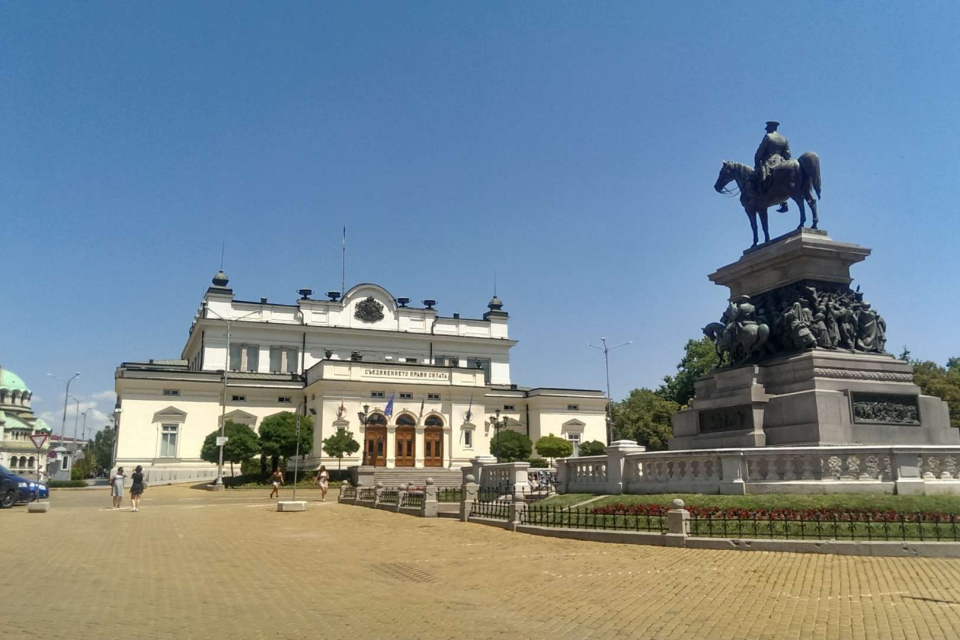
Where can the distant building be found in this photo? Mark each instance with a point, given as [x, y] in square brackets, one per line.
[443, 377]
[18, 423]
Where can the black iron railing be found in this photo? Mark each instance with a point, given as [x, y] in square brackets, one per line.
[347, 491]
[586, 518]
[413, 499]
[366, 494]
[390, 496]
[850, 525]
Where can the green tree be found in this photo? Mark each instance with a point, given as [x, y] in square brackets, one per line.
[592, 448]
[242, 445]
[278, 436]
[553, 447]
[339, 444]
[699, 358]
[644, 416]
[942, 382]
[511, 446]
[101, 448]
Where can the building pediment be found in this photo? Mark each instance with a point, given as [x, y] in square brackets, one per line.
[170, 414]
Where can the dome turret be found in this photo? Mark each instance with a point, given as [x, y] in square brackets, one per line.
[11, 381]
[221, 279]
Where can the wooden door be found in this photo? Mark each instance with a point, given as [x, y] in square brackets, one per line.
[375, 446]
[433, 448]
[406, 448]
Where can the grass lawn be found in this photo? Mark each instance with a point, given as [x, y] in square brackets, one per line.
[942, 504]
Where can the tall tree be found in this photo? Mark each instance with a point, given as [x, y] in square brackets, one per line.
[278, 436]
[101, 447]
[644, 416]
[699, 358]
[242, 444]
[942, 382]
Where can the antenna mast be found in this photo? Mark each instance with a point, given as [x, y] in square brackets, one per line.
[343, 263]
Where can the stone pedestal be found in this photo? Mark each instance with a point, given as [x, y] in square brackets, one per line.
[788, 396]
[292, 505]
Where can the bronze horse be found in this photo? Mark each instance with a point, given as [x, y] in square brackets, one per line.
[791, 180]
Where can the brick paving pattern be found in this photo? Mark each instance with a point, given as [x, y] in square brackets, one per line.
[192, 564]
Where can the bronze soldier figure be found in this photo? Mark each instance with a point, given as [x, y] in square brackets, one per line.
[774, 149]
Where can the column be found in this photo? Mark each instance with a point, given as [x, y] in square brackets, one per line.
[391, 446]
[418, 447]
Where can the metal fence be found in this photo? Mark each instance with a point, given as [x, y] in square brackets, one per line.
[390, 496]
[347, 491]
[449, 494]
[586, 518]
[413, 499]
[366, 494]
[851, 525]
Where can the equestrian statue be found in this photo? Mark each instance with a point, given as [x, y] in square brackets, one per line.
[774, 178]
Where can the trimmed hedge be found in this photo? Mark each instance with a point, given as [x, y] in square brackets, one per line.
[66, 484]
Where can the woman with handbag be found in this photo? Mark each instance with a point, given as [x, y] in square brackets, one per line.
[137, 489]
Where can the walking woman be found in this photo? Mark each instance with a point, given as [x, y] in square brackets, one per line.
[116, 487]
[323, 481]
[137, 489]
[277, 480]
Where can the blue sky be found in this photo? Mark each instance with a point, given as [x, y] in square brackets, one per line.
[570, 147]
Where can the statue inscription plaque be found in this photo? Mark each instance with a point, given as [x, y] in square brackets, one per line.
[738, 418]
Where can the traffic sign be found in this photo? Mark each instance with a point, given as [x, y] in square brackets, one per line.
[38, 439]
[52, 454]
[222, 440]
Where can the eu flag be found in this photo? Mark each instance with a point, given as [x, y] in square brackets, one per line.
[388, 410]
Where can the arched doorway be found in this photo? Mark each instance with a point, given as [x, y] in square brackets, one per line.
[433, 442]
[375, 441]
[406, 441]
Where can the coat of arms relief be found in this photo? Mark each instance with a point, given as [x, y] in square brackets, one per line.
[368, 310]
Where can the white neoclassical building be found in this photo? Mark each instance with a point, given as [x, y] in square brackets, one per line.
[428, 384]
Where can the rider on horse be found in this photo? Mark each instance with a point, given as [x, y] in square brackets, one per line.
[774, 150]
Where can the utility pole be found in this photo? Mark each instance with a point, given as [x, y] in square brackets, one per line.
[606, 363]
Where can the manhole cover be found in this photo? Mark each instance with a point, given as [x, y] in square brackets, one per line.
[402, 571]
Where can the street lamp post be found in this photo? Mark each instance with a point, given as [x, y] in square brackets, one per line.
[223, 402]
[362, 416]
[83, 432]
[606, 363]
[76, 420]
[497, 424]
[63, 422]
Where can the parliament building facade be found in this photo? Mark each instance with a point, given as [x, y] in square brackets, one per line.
[429, 386]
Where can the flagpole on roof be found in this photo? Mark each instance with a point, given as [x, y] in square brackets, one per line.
[343, 263]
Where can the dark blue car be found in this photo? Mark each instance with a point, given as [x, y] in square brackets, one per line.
[28, 488]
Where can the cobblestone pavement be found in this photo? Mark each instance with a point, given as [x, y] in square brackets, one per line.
[192, 564]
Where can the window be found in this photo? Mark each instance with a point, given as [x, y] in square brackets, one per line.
[410, 360]
[468, 439]
[433, 396]
[406, 396]
[574, 439]
[433, 421]
[573, 407]
[244, 357]
[285, 400]
[64, 462]
[406, 420]
[171, 392]
[239, 398]
[376, 394]
[283, 360]
[168, 440]
[509, 407]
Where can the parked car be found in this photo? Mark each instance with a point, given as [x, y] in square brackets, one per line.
[27, 488]
[9, 492]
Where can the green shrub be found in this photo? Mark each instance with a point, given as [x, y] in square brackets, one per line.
[553, 447]
[66, 484]
[592, 448]
[539, 463]
[511, 446]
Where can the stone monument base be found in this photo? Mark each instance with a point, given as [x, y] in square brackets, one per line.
[818, 397]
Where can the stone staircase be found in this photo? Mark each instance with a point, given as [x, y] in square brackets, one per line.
[418, 477]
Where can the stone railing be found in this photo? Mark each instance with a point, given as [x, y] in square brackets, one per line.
[829, 469]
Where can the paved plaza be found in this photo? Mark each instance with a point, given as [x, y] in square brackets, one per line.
[192, 564]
